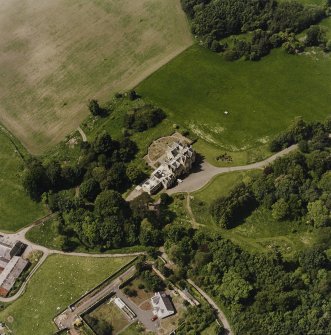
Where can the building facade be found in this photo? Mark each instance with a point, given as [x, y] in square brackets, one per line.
[179, 160]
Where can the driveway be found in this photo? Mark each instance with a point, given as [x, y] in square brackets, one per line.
[201, 175]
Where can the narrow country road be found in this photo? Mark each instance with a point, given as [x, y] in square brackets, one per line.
[220, 315]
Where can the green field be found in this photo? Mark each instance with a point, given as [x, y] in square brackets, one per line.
[219, 186]
[260, 232]
[60, 281]
[261, 98]
[55, 55]
[16, 208]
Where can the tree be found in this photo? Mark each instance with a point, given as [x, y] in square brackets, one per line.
[280, 209]
[103, 144]
[110, 203]
[54, 174]
[234, 287]
[35, 180]
[316, 36]
[89, 189]
[112, 232]
[94, 107]
[318, 214]
[135, 174]
[132, 95]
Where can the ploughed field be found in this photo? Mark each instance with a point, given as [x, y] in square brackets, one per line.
[55, 55]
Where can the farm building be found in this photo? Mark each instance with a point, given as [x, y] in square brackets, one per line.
[178, 161]
[162, 305]
[11, 265]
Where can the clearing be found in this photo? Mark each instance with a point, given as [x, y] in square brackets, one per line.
[16, 208]
[260, 232]
[55, 55]
[57, 284]
[261, 98]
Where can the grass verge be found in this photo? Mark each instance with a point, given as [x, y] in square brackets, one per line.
[16, 208]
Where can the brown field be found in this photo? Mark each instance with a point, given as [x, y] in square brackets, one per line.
[55, 55]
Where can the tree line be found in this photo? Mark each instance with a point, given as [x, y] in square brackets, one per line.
[272, 23]
[295, 187]
[87, 194]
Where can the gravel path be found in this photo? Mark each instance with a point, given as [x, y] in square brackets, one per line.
[220, 315]
[81, 131]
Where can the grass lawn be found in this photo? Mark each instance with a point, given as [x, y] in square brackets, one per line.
[113, 124]
[110, 314]
[134, 329]
[55, 55]
[260, 232]
[16, 208]
[217, 187]
[262, 98]
[60, 281]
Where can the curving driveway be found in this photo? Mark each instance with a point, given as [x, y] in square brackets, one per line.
[205, 172]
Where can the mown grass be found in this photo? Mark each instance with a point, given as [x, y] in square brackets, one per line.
[16, 208]
[262, 98]
[60, 281]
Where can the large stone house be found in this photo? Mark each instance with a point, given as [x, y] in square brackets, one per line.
[162, 306]
[178, 161]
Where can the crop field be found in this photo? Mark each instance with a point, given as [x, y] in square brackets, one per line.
[16, 208]
[57, 284]
[55, 55]
[261, 98]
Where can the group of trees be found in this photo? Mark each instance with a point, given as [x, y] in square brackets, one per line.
[295, 187]
[273, 23]
[262, 293]
[310, 136]
[143, 118]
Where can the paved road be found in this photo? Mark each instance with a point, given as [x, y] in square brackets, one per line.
[221, 316]
[205, 172]
[201, 175]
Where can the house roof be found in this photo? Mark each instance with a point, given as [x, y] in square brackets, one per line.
[162, 306]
